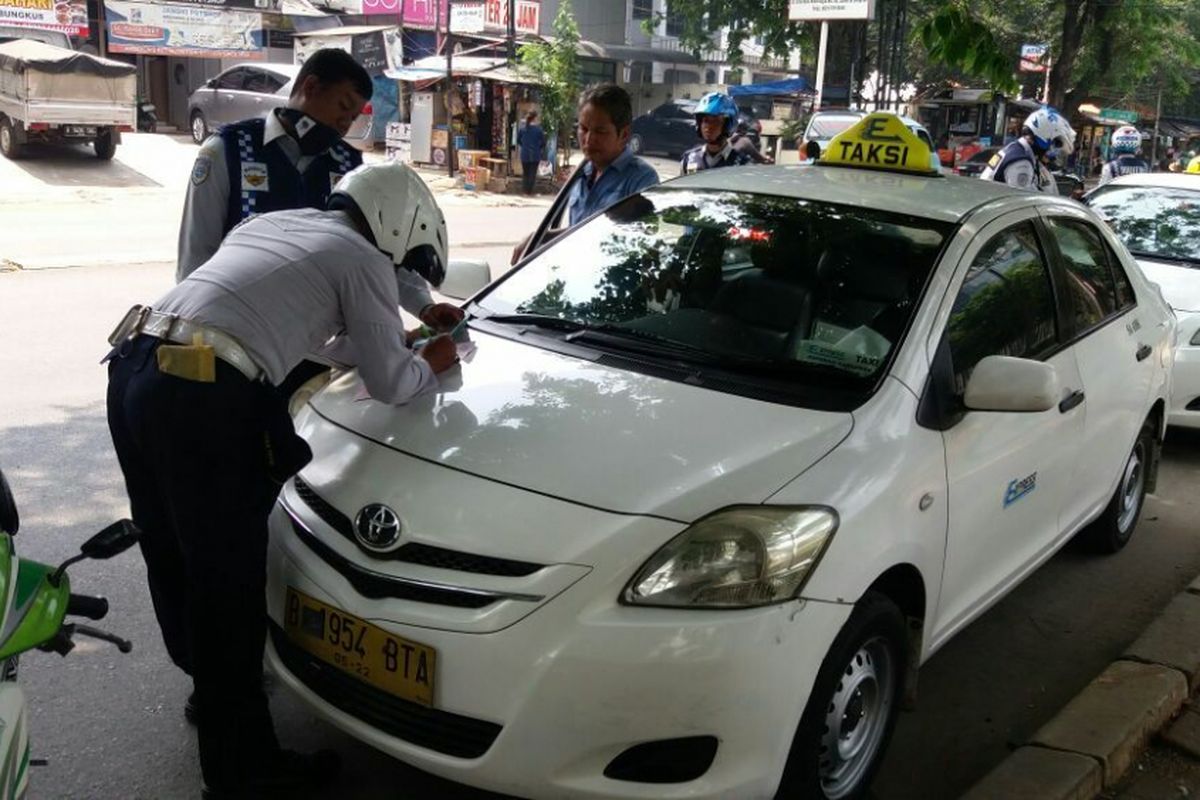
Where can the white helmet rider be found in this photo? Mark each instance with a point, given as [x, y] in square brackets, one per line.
[1126, 139]
[1050, 131]
[398, 208]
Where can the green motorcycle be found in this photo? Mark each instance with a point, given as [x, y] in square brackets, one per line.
[35, 600]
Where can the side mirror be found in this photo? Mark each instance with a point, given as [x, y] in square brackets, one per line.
[1003, 383]
[465, 277]
[9, 519]
[211, 83]
[112, 541]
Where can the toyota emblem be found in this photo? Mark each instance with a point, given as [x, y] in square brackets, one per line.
[377, 527]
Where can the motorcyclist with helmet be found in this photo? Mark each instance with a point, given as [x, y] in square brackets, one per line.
[1022, 163]
[716, 118]
[1124, 145]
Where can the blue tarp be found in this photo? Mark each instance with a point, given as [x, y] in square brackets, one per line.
[787, 87]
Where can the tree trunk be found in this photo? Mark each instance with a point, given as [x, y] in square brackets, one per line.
[1075, 15]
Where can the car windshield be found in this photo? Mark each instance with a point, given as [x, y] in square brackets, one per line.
[827, 126]
[1153, 221]
[765, 285]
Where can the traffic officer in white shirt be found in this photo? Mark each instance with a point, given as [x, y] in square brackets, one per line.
[205, 441]
[1022, 163]
[289, 158]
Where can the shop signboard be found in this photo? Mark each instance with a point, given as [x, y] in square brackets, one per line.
[1033, 57]
[467, 17]
[808, 10]
[182, 30]
[1117, 116]
[368, 49]
[528, 15]
[68, 16]
[421, 14]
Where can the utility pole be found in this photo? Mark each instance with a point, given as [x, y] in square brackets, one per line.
[1154, 140]
[512, 30]
[821, 62]
[448, 43]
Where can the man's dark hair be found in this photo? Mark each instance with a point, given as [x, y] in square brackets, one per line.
[812, 150]
[612, 100]
[331, 65]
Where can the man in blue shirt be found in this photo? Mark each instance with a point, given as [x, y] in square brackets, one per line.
[532, 141]
[611, 172]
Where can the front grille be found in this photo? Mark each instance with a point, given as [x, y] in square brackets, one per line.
[452, 734]
[413, 552]
[376, 586]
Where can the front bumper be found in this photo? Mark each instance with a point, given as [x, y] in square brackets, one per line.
[540, 707]
[1185, 375]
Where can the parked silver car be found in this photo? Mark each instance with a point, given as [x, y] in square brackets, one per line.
[251, 90]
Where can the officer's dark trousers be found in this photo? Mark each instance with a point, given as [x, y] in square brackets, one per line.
[202, 480]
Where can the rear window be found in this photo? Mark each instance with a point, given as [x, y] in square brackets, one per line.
[767, 286]
[826, 127]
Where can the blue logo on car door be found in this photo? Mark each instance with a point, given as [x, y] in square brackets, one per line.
[1019, 488]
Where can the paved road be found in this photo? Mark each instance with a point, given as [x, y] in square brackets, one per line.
[111, 725]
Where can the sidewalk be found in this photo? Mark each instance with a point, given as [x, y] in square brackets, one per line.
[1132, 734]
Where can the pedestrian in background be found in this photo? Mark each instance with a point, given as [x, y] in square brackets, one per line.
[532, 141]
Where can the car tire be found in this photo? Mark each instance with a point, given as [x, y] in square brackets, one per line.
[199, 126]
[852, 710]
[8, 140]
[1113, 529]
[105, 145]
[636, 145]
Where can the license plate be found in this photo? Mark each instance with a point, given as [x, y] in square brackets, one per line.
[79, 130]
[392, 663]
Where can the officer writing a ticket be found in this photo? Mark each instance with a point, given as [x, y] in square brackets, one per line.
[205, 441]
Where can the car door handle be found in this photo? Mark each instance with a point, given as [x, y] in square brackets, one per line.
[1075, 398]
[1144, 352]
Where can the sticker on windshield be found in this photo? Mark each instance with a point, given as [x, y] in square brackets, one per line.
[859, 350]
[1019, 488]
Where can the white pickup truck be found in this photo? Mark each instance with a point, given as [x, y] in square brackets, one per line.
[52, 94]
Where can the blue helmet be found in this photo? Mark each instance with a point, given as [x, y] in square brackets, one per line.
[719, 105]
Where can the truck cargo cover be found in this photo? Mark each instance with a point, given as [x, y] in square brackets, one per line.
[20, 55]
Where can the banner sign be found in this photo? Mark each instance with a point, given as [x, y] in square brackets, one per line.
[178, 30]
[422, 14]
[830, 9]
[467, 17]
[528, 15]
[1118, 116]
[68, 16]
[1033, 57]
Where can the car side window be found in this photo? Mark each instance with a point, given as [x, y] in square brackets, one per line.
[1005, 306]
[1090, 282]
[258, 81]
[234, 79]
[1125, 296]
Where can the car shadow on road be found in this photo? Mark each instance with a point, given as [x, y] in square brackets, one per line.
[77, 165]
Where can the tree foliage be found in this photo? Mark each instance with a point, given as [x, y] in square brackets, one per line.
[554, 65]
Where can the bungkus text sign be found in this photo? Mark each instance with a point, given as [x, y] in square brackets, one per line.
[467, 17]
[830, 9]
[68, 16]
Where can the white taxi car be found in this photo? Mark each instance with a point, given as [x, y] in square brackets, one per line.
[1157, 216]
[729, 460]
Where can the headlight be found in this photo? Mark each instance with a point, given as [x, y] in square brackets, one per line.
[740, 557]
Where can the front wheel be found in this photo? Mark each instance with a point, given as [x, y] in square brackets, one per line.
[852, 709]
[1113, 529]
[636, 145]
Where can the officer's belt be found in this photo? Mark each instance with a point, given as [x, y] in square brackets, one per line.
[173, 329]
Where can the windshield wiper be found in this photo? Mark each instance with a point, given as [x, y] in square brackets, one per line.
[537, 320]
[657, 340]
[1165, 257]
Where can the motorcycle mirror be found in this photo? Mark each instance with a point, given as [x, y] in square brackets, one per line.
[9, 519]
[112, 541]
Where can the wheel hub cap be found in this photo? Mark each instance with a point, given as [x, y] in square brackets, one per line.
[1131, 488]
[856, 719]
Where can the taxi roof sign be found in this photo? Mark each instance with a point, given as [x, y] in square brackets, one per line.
[879, 141]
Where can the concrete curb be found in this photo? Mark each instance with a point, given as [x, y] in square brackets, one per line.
[1090, 744]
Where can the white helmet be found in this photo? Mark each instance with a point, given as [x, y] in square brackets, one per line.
[1050, 131]
[404, 219]
[1126, 139]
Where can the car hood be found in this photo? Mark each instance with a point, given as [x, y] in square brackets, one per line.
[592, 434]
[1180, 284]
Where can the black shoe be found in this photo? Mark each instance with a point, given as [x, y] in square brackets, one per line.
[191, 711]
[288, 773]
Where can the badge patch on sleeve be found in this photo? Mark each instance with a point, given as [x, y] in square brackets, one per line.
[201, 169]
[254, 177]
